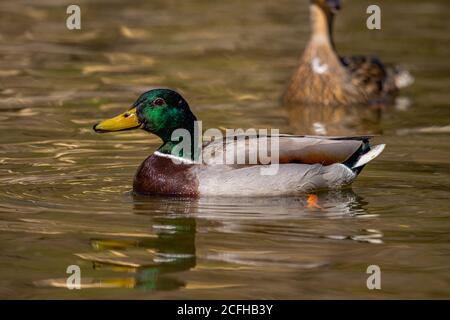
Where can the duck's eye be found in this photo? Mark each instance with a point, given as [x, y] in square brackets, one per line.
[126, 115]
[158, 102]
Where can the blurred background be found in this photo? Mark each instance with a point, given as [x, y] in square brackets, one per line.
[65, 191]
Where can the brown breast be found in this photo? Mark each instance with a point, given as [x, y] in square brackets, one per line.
[160, 175]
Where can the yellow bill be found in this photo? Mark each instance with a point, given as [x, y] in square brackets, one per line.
[125, 121]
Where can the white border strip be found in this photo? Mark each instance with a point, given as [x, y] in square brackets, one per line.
[174, 158]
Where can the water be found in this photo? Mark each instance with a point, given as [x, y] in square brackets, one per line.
[65, 194]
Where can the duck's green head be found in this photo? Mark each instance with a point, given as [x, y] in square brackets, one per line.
[159, 111]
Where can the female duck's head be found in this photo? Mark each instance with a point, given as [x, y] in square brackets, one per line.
[330, 7]
[159, 111]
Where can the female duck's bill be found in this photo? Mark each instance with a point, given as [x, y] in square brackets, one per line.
[125, 121]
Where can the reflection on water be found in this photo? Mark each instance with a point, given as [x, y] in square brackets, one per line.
[334, 120]
[65, 191]
[343, 120]
[147, 261]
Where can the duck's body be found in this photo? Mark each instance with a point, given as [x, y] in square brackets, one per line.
[305, 164]
[234, 167]
[159, 175]
[325, 78]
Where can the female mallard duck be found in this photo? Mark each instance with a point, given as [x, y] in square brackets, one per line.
[326, 79]
[305, 163]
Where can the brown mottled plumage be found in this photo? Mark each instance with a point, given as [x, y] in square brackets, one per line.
[326, 79]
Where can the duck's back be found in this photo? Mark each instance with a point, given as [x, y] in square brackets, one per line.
[376, 79]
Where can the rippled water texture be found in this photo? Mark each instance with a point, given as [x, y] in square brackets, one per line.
[65, 195]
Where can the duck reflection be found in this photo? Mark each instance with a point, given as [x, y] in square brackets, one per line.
[335, 120]
[147, 263]
[332, 203]
[154, 261]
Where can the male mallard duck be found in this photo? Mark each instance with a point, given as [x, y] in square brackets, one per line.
[326, 79]
[306, 163]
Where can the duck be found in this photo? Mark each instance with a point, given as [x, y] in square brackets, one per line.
[324, 78]
[296, 165]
